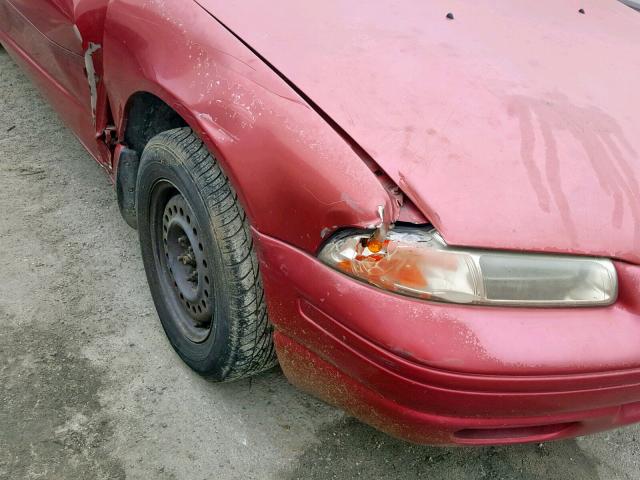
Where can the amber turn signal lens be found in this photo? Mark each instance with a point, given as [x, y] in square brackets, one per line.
[417, 262]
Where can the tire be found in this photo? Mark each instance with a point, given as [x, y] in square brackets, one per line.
[200, 261]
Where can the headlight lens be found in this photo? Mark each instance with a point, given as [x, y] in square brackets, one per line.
[417, 262]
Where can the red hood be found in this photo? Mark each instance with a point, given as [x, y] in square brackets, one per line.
[515, 125]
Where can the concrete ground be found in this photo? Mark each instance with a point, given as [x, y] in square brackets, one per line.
[90, 387]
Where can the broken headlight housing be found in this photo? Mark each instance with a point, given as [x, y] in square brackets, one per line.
[417, 262]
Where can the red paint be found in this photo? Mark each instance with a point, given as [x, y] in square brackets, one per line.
[423, 371]
[311, 373]
[471, 117]
[510, 127]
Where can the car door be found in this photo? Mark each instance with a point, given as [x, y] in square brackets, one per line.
[55, 35]
[54, 19]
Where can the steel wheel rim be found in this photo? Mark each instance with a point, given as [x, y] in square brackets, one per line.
[182, 262]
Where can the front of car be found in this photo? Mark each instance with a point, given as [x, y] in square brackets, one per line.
[501, 303]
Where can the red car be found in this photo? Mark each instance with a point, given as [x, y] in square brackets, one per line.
[428, 212]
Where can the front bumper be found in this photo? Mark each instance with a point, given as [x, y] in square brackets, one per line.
[441, 373]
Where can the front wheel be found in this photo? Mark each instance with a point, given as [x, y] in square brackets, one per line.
[199, 259]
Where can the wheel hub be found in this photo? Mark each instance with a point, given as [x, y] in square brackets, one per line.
[186, 262]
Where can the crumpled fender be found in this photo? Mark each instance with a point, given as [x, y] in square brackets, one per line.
[296, 177]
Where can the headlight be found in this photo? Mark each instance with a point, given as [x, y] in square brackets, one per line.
[417, 262]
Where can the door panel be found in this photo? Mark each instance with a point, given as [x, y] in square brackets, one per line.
[64, 66]
[54, 19]
[46, 32]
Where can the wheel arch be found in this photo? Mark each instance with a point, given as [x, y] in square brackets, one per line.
[145, 116]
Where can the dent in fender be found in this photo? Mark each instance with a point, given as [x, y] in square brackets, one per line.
[282, 157]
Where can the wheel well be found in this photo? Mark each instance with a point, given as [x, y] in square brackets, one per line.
[147, 116]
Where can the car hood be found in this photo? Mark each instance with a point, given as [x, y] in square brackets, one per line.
[514, 125]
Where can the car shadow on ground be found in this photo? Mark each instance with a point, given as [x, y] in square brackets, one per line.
[347, 448]
[350, 449]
